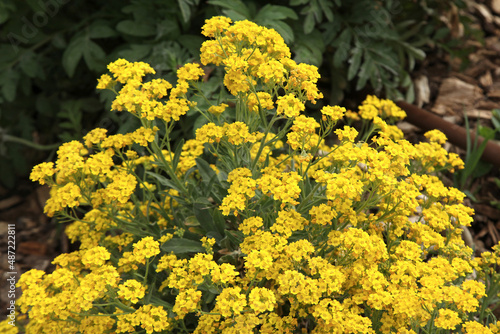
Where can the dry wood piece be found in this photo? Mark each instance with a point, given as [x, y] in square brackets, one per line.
[422, 90]
[495, 5]
[455, 96]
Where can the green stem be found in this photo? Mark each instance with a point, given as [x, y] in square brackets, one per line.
[7, 138]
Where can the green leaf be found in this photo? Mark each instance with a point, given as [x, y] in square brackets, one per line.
[177, 154]
[325, 6]
[7, 176]
[163, 181]
[6, 55]
[6, 7]
[36, 6]
[365, 72]
[235, 9]
[180, 246]
[309, 23]
[206, 172]
[219, 220]
[101, 29]
[343, 44]
[47, 106]
[29, 64]
[185, 9]
[410, 94]
[298, 2]
[309, 48]
[203, 215]
[94, 56]
[9, 80]
[272, 13]
[67, 125]
[283, 29]
[496, 119]
[354, 63]
[236, 237]
[168, 30]
[138, 29]
[486, 132]
[198, 123]
[191, 42]
[135, 52]
[73, 54]
[441, 34]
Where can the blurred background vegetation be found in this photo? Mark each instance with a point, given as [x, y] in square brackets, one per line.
[53, 51]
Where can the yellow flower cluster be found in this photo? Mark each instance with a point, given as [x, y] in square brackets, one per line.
[257, 225]
[373, 107]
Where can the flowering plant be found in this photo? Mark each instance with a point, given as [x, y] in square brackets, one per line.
[257, 225]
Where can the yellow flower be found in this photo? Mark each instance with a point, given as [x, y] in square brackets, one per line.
[283, 187]
[42, 172]
[105, 81]
[217, 110]
[347, 133]
[94, 136]
[250, 225]
[209, 133]
[156, 88]
[215, 25]
[100, 164]
[124, 71]
[373, 106]
[261, 300]
[146, 247]
[289, 105]
[230, 302]
[436, 136]
[447, 319]
[68, 195]
[186, 302]
[190, 72]
[260, 99]
[332, 114]
[95, 257]
[143, 136]
[237, 133]
[242, 188]
[69, 159]
[473, 327]
[304, 124]
[131, 290]
[288, 222]
[322, 214]
[273, 71]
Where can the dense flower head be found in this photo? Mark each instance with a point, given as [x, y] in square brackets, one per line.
[124, 71]
[373, 106]
[217, 110]
[131, 290]
[42, 171]
[289, 105]
[190, 72]
[436, 136]
[332, 113]
[215, 25]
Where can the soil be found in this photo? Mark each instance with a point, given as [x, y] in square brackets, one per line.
[451, 88]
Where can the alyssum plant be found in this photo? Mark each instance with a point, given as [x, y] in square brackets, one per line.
[256, 225]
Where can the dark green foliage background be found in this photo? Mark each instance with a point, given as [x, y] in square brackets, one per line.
[53, 51]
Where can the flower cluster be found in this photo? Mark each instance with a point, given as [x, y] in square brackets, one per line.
[257, 225]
